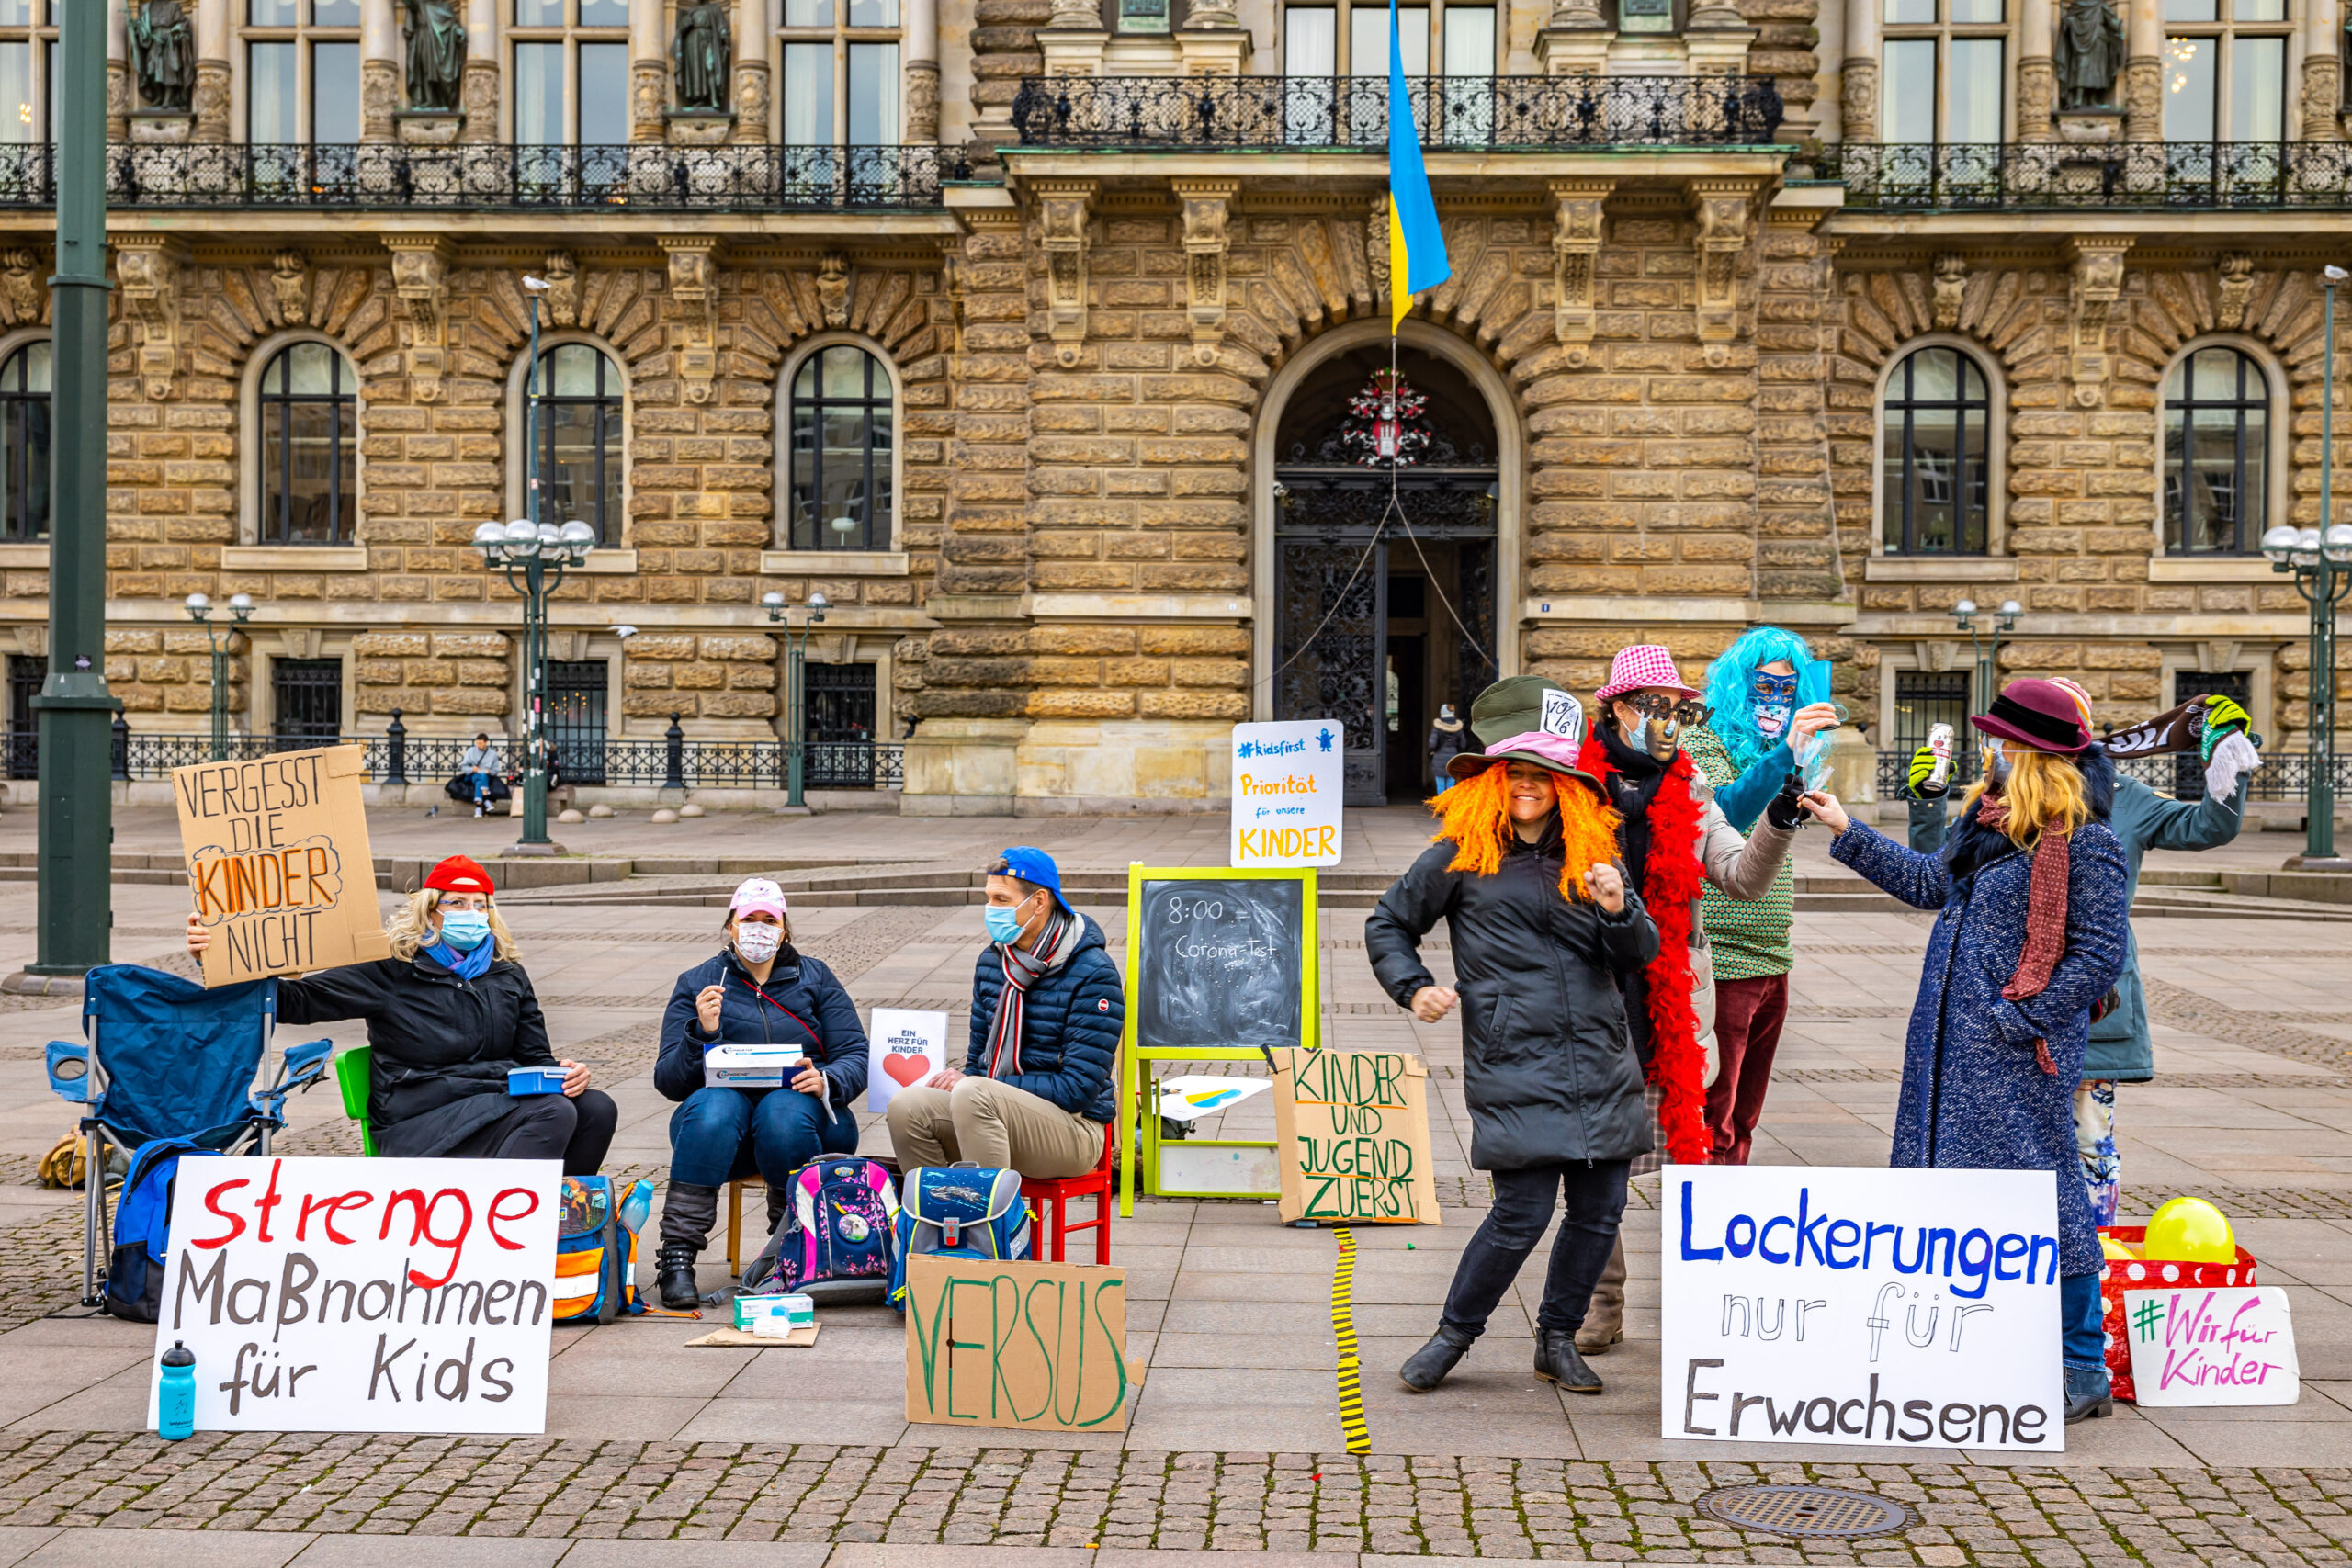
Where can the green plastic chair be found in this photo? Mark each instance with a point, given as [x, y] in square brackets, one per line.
[352, 1076]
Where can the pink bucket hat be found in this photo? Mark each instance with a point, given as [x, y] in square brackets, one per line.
[1556, 752]
[1642, 665]
[757, 895]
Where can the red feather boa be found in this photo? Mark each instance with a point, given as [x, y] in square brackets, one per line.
[1672, 880]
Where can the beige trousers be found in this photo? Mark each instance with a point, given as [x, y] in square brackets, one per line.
[993, 1125]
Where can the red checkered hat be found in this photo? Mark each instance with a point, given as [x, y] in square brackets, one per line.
[1643, 665]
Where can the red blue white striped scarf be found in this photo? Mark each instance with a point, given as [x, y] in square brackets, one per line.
[1021, 970]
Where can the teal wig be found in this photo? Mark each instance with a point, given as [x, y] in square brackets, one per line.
[1730, 680]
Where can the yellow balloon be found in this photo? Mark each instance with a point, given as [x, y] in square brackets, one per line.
[2191, 1230]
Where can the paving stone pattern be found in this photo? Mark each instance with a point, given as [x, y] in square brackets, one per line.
[1630, 1512]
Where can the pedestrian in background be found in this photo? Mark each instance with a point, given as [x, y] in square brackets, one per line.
[1445, 744]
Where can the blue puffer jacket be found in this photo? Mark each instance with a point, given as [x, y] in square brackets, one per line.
[807, 1007]
[1070, 1027]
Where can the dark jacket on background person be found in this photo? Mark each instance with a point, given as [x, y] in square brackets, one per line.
[1548, 1069]
[806, 1007]
[1069, 1027]
[442, 1045]
[1447, 744]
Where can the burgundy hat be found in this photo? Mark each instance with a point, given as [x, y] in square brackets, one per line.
[2038, 714]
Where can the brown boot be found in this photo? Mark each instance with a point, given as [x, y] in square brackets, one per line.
[1604, 1320]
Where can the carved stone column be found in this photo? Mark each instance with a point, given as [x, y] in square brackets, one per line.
[421, 278]
[1858, 77]
[1206, 205]
[119, 88]
[2323, 84]
[648, 74]
[2095, 284]
[210, 100]
[2037, 71]
[754, 97]
[919, 109]
[481, 98]
[2143, 71]
[148, 271]
[1724, 213]
[1062, 213]
[1576, 248]
[379, 71]
[693, 287]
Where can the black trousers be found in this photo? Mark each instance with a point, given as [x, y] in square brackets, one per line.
[1523, 1205]
[575, 1130]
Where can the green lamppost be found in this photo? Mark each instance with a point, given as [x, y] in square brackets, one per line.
[534, 558]
[199, 610]
[796, 693]
[1986, 645]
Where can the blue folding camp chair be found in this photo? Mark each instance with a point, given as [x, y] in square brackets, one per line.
[163, 1057]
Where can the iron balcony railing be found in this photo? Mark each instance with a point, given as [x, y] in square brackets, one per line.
[2284, 775]
[649, 178]
[1462, 113]
[673, 760]
[2172, 175]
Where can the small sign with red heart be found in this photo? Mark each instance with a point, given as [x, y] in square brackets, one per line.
[906, 1048]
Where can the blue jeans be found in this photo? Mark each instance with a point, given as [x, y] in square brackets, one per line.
[481, 787]
[2078, 1320]
[719, 1134]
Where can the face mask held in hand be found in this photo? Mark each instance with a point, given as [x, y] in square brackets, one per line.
[757, 944]
[465, 929]
[1003, 921]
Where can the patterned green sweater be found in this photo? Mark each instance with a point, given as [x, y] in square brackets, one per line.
[1747, 937]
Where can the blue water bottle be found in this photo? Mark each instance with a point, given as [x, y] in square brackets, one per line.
[176, 1394]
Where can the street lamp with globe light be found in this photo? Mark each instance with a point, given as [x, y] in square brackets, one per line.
[535, 558]
[199, 610]
[795, 694]
[2322, 564]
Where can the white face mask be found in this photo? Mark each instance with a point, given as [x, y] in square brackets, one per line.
[756, 943]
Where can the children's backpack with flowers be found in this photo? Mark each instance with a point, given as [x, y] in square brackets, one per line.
[837, 1236]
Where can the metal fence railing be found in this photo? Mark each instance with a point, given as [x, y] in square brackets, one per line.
[2161, 176]
[2284, 775]
[672, 761]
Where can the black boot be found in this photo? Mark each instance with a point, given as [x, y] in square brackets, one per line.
[674, 1266]
[1426, 1368]
[1556, 1362]
[2088, 1397]
[687, 1213]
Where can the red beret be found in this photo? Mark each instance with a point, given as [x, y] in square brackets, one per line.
[458, 874]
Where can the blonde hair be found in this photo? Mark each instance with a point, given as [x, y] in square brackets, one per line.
[2045, 792]
[1476, 817]
[411, 929]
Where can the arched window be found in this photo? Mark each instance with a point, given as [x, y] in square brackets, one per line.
[309, 446]
[24, 443]
[841, 437]
[2217, 453]
[579, 391]
[1934, 433]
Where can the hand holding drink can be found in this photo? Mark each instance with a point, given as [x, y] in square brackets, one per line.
[1940, 743]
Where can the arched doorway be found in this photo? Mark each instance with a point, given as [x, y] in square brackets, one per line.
[1378, 617]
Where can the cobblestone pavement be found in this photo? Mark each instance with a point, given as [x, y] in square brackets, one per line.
[1500, 1508]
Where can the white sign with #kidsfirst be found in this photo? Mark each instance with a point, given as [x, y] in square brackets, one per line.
[363, 1296]
[1287, 787]
[1893, 1308]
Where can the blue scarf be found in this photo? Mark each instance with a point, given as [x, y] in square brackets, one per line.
[464, 966]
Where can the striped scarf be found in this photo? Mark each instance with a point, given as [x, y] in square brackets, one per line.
[1022, 970]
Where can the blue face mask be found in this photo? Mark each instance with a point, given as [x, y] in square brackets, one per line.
[465, 929]
[1003, 921]
[1996, 764]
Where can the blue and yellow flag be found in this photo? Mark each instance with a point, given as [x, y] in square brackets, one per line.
[1415, 244]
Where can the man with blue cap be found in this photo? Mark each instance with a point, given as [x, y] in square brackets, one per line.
[1034, 1092]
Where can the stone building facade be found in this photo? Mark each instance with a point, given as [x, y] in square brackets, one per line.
[1040, 366]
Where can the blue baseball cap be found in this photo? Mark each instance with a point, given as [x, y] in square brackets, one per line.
[1037, 866]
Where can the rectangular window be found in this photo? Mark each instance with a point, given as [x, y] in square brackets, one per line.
[1644, 16]
[309, 694]
[604, 12]
[2257, 89]
[16, 12]
[2190, 84]
[1973, 100]
[17, 125]
[538, 13]
[1969, 13]
[1910, 13]
[603, 95]
[334, 94]
[809, 94]
[1469, 40]
[335, 13]
[1909, 115]
[1310, 41]
[272, 106]
[807, 13]
[271, 13]
[1925, 698]
[539, 94]
[2259, 11]
[1368, 39]
[1142, 15]
[2192, 10]
[874, 94]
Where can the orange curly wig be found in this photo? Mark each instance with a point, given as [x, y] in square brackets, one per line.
[1476, 817]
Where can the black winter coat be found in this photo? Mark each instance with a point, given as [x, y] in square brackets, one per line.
[805, 1006]
[1548, 1069]
[442, 1045]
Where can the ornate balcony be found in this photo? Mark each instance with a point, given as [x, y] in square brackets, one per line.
[650, 178]
[2166, 176]
[1453, 113]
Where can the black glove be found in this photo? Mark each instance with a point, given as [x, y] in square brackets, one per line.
[1783, 811]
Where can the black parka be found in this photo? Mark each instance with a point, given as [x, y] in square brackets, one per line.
[1548, 1069]
[442, 1045]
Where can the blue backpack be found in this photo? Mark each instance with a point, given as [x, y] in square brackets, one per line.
[840, 1215]
[142, 1229]
[960, 1210]
[595, 1249]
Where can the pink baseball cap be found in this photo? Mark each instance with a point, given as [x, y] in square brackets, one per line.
[757, 895]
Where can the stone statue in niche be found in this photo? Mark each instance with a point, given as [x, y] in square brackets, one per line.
[162, 52]
[2090, 53]
[704, 52]
[437, 54]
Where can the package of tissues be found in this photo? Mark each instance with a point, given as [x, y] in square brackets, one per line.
[535, 1080]
[751, 1067]
[774, 1315]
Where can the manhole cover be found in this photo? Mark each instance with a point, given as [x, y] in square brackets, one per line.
[1822, 1511]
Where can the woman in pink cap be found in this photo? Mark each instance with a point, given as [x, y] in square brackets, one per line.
[760, 991]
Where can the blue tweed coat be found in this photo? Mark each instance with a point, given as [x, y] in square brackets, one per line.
[1973, 1096]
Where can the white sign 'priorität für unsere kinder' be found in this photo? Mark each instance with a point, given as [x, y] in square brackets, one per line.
[1288, 790]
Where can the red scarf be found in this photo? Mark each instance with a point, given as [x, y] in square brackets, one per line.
[2046, 915]
[1672, 880]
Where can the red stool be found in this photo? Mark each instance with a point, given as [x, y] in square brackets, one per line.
[1049, 1200]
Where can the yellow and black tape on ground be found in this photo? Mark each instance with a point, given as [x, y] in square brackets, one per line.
[1343, 1329]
